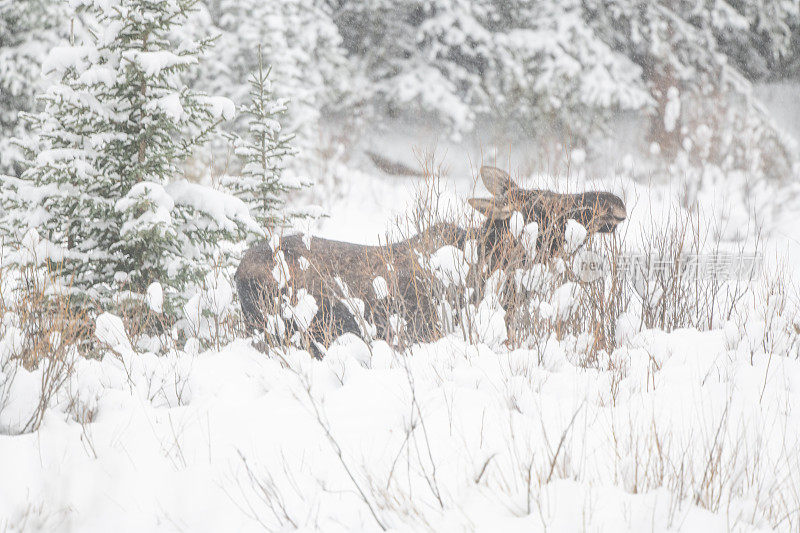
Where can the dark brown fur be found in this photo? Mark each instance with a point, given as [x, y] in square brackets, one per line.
[356, 266]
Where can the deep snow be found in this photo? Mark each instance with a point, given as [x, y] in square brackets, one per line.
[172, 440]
[689, 431]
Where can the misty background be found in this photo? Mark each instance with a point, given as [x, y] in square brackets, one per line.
[693, 84]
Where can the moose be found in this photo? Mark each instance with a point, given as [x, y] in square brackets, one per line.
[271, 273]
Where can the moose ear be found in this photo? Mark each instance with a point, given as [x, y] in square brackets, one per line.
[489, 208]
[497, 181]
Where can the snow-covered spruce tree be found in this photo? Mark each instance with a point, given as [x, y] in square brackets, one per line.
[698, 98]
[113, 133]
[28, 29]
[564, 68]
[757, 35]
[262, 184]
[534, 64]
[301, 44]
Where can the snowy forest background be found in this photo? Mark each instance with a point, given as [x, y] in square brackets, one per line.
[673, 84]
[145, 144]
[563, 71]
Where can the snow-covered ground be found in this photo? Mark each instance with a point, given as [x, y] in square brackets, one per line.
[689, 430]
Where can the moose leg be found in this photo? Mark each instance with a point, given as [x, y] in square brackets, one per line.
[332, 320]
[258, 301]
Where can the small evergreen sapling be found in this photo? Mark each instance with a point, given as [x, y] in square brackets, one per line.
[262, 184]
[300, 43]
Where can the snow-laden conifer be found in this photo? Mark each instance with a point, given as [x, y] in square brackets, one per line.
[104, 180]
[300, 42]
[28, 29]
[262, 183]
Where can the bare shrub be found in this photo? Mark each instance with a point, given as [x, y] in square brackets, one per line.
[48, 330]
[676, 277]
[261, 497]
[210, 319]
[35, 516]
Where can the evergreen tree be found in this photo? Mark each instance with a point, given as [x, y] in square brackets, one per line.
[535, 64]
[301, 44]
[262, 184]
[113, 134]
[565, 68]
[756, 35]
[698, 97]
[28, 29]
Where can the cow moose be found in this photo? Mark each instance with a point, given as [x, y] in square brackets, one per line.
[271, 273]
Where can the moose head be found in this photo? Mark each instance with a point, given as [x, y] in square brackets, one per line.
[598, 212]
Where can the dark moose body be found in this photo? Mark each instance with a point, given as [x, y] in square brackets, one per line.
[332, 271]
